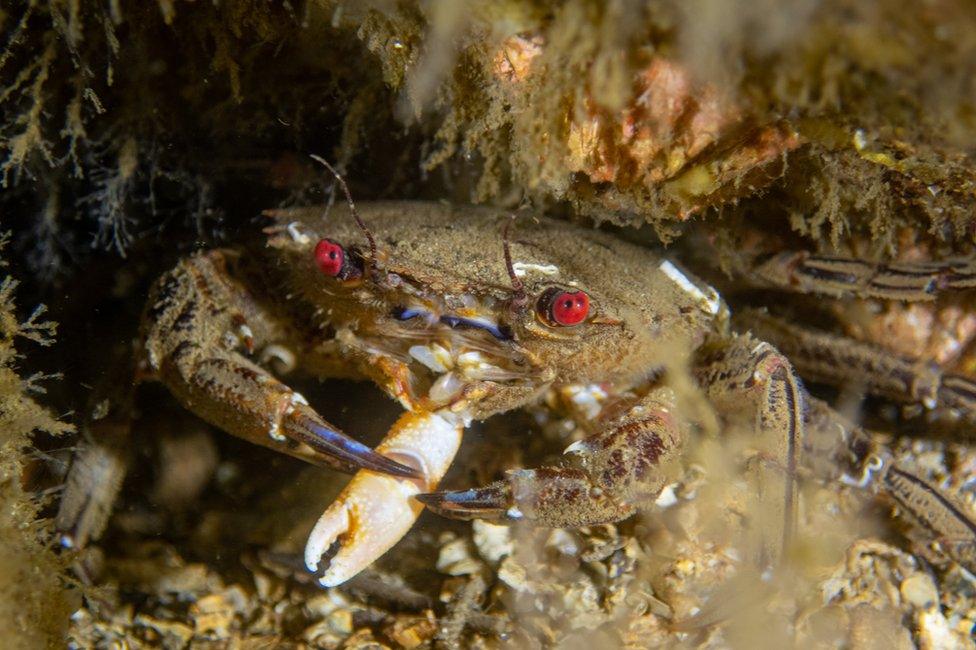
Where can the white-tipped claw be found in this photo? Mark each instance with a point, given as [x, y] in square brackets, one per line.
[375, 510]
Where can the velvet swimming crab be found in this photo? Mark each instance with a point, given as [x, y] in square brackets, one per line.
[456, 333]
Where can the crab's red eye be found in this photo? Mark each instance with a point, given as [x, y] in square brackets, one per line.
[329, 257]
[566, 308]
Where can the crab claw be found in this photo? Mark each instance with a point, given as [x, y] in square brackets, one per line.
[375, 510]
[489, 502]
[342, 448]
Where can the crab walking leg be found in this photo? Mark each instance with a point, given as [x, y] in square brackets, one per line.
[753, 383]
[944, 520]
[838, 276]
[837, 359]
[375, 510]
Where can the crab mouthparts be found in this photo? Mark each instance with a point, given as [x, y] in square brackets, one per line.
[500, 332]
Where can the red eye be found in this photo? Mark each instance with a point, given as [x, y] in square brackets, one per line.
[329, 257]
[566, 308]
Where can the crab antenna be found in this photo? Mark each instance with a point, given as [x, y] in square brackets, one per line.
[519, 299]
[352, 206]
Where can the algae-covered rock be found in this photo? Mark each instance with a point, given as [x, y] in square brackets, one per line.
[119, 117]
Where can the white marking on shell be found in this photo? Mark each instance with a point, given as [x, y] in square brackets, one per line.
[275, 431]
[433, 356]
[873, 465]
[521, 268]
[578, 447]
[282, 354]
[711, 302]
[473, 358]
[230, 340]
[514, 513]
[246, 332]
[667, 497]
[587, 398]
[297, 235]
[446, 388]
[474, 365]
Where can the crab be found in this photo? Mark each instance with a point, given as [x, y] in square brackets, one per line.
[458, 321]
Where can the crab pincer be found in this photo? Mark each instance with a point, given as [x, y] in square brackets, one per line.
[492, 502]
[375, 510]
[308, 428]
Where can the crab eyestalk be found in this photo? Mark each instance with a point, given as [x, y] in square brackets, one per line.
[376, 510]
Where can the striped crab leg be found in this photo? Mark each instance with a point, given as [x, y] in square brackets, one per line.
[376, 510]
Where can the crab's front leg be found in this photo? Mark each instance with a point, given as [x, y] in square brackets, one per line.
[200, 327]
[620, 466]
[605, 476]
[375, 510]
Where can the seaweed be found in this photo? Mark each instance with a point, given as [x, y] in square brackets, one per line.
[34, 605]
